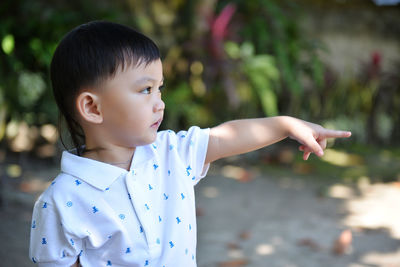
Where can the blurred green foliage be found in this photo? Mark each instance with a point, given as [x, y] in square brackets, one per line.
[29, 33]
[222, 60]
[261, 71]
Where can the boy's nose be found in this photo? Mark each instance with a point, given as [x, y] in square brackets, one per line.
[159, 105]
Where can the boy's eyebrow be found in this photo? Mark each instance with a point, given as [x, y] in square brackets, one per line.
[146, 79]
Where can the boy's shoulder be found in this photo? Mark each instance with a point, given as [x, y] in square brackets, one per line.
[180, 135]
[62, 184]
[168, 140]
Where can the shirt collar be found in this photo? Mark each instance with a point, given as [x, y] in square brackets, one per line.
[99, 174]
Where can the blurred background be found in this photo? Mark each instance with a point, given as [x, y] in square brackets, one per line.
[333, 62]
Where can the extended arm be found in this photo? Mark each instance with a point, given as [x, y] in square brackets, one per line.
[241, 136]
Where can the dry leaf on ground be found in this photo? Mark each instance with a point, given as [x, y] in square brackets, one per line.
[308, 242]
[342, 245]
[234, 263]
[245, 235]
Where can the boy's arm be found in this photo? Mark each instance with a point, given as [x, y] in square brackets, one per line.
[241, 136]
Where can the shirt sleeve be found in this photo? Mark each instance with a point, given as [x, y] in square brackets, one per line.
[50, 245]
[192, 148]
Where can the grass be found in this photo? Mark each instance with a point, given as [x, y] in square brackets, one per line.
[353, 162]
[342, 163]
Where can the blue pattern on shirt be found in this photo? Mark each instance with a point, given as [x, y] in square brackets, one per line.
[157, 193]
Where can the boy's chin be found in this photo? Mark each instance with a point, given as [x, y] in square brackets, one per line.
[151, 139]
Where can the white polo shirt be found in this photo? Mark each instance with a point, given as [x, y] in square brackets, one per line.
[108, 216]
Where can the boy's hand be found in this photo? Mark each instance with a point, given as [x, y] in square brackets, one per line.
[242, 136]
[312, 137]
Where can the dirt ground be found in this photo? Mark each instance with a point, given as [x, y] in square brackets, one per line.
[254, 219]
[288, 221]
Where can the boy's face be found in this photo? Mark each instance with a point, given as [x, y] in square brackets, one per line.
[131, 105]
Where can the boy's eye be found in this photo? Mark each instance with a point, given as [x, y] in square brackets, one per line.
[146, 91]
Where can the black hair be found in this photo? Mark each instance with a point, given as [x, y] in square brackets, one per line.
[86, 56]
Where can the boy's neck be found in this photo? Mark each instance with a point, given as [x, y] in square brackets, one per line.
[117, 156]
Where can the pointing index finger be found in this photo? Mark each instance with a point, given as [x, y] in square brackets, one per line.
[336, 134]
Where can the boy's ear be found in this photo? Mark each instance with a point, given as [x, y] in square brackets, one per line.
[88, 107]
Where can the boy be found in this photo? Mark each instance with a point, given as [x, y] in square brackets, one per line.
[125, 195]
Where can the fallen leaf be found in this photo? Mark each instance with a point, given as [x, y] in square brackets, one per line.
[303, 168]
[286, 155]
[199, 212]
[245, 235]
[308, 242]
[26, 187]
[234, 263]
[233, 245]
[342, 245]
[245, 177]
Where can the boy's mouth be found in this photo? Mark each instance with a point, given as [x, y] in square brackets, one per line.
[156, 124]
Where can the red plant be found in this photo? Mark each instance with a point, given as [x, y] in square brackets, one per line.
[219, 29]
